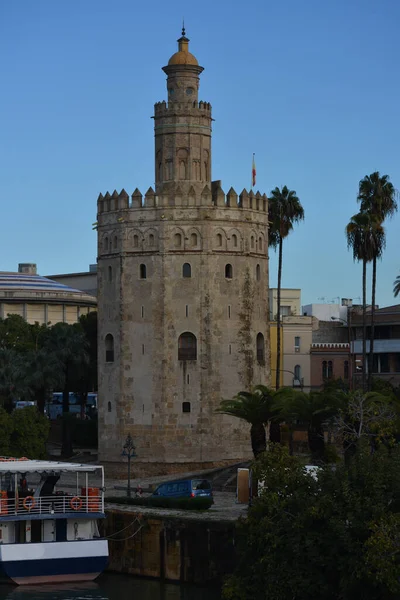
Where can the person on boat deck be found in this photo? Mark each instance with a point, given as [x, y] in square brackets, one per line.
[23, 488]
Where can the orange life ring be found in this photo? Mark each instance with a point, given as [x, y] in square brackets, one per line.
[76, 503]
[29, 502]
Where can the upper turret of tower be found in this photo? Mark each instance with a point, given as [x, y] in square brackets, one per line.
[183, 72]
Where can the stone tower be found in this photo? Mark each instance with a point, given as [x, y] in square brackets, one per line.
[183, 297]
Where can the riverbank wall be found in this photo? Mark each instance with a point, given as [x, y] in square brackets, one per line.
[190, 548]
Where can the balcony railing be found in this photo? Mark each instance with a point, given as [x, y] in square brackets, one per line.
[45, 505]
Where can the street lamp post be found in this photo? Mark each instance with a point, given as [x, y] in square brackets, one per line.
[128, 450]
[301, 379]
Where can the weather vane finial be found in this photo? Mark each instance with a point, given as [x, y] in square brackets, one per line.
[183, 27]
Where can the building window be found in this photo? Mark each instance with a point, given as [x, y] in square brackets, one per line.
[285, 311]
[151, 240]
[136, 241]
[234, 240]
[193, 240]
[109, 273]
[109, 343]
[327, 369]
[109, 406]
[297, 343]
[260, 348]
[142, 312]
[252, 242]
[115, 242]
[142, 348]
[143, 271]
[228, 271]
[230, 348]
[229, 311]
[186, 270]
[260, 244]
[258, 272]
[177, 240]
[187, 310]
[219, 239]
[106, 244]
[186, 407]
[297, 372]
[346, 369]
[187, 346]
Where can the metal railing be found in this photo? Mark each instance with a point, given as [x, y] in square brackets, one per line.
[45, 505]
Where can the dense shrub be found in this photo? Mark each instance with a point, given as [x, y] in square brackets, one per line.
[30, 431]
[160, 502]
[6, 427]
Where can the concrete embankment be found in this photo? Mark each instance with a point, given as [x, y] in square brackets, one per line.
[185, 546]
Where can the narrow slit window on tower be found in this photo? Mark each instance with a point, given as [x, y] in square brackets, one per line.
[109, 344]
[109, 273]
[188, 379]
[230, 348]
[260, 348]
[142, 348]
[258, 272]
[229, 311]
[187, 346]
[234, 240]
[109, 406]
[143, 271]
[186, 270]
[186, 407]
[187, 310]
[142, 312]
[228, 271]
[219, 239]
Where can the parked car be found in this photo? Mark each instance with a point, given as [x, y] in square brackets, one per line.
[189, 488]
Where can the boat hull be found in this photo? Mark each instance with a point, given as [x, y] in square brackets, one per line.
[55, 562]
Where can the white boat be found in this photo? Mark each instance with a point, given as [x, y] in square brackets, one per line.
[49, 521]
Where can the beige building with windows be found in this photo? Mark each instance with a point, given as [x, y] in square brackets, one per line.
[182, 297]
[290, 302]
[39, 299]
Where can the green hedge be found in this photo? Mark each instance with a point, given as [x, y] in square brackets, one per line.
[161, 502]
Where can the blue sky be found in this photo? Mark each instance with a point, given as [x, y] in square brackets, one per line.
[311, 87]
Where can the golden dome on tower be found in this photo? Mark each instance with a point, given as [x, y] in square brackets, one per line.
[183, 56]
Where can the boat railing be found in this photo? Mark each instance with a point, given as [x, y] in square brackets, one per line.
[56, 504]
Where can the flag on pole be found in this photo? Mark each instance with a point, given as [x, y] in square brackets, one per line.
[253, 172]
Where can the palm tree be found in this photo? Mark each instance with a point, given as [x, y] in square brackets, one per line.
[396, 286]
[377, 196]
[255, 407]
[312, 409]
[285, 210]
[365, 235]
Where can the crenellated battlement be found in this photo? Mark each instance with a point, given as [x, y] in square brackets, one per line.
[166, 108]
[246, 200]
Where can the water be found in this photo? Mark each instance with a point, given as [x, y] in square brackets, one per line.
[110, 587]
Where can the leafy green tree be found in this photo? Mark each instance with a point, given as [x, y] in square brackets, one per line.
[377, 197]
[364, 235]
[305, 538]
[69, 347]
[5, 432]
[255, 407]
[285, 210]
[30, 433]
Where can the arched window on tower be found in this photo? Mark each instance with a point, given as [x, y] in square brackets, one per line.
[109, 344]
[193, 240]
[219, 239]
[115, 242]
[135, 241]
[187, 346]
[142, 271]
[260, 348]
[260, 244]
[177, 240]
[186, 270]
[252, 242]
[151, 240]
[234, 240]
[105, 245]
[228, 271]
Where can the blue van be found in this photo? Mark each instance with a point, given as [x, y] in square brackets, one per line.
[189, 488]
